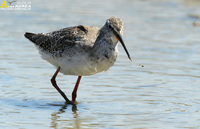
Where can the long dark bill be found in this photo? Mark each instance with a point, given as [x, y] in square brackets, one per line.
[119, 37]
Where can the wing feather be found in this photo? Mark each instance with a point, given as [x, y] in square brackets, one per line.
[59, 40]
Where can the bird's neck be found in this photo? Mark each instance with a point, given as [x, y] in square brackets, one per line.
[105, 40]
[105, 44]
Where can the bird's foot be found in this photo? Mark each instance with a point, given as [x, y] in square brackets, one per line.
[70, 102]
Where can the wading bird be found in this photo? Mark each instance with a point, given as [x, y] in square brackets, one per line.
[80, 50]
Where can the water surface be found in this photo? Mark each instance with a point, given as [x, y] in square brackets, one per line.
[161, 35]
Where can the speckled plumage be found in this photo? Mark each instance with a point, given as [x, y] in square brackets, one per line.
[80, 50]
[57, 42]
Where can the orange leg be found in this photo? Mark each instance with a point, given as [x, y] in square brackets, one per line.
[53, 81]
[75, 89]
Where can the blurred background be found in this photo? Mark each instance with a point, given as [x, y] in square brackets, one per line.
[163, 35]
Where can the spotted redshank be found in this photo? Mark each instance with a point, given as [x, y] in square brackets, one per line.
[80, 50]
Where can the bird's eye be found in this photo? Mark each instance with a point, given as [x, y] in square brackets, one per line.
[110, 26]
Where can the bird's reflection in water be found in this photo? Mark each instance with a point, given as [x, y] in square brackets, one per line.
[68, 122]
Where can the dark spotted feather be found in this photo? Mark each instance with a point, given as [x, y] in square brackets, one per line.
[58, 41]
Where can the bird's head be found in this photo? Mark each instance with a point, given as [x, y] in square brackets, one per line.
[115, 25]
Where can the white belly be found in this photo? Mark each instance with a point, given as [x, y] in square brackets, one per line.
[83, 66]
[80, 64]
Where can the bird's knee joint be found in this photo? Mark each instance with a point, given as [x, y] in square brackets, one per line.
[53, 80]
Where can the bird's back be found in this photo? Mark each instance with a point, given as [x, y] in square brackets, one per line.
[57, 42]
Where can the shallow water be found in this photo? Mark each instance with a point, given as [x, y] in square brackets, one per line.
[161, 35]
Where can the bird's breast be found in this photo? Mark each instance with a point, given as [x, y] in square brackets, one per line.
[105, 60]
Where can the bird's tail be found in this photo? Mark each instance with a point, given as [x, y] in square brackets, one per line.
[29, 36]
